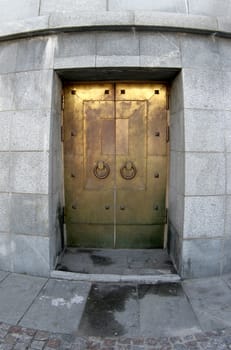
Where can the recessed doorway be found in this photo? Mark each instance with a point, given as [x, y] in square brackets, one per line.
[115, 164]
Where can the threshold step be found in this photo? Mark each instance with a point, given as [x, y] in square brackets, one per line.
[112, 278]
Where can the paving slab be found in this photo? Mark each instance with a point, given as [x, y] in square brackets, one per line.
[111, 310]
[211, 302]
[17, 292]
[3, 275]
[59, 307]
[165, 311]
[227, 279]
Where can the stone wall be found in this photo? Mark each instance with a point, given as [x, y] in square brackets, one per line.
[25, 105]
[201, 128]
[23, 9]
[184, 46]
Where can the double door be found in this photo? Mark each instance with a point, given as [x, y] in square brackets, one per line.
[115, 164]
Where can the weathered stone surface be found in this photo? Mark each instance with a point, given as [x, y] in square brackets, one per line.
[228, 170]
[201, 257]
[29, 173]
[203, 88]
[227, 131]
[35, 53]
[72, 62]
[5, 171]
[77, 19]
[163, 311]
[200, 51]
[176, 210]
[3, 275]
[18, 291]
[210, 7]
[56, 199]
[87, 19]
[7, 84]
[227, 89]
[8, 55]
[5, 124]
[177, 125]
[50, 6]
[16, 10]
[29, 214]
[225, 52]
[204, 130]
[76, 44]
[177, 175]
[26, 26]
[175, 244]
[204, 217]
[228, 216]
[59, 307]
[4, 212]
[224, 24]
[36, 135]
[33, 90]
[226, 265]
[177, 6]
[177, 96]
[204, 173]
[159, 50]
[209, 299]
[172, 20]
[117, 44]
[6, 251]
[31, 255]
[117, 61]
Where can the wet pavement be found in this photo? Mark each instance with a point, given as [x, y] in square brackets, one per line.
[41, 313]
[138, 310]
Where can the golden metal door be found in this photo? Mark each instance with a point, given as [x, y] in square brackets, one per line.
[115, 162]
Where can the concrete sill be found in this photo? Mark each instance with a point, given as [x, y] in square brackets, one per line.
[144, 279]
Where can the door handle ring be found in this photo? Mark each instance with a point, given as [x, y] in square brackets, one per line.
[128, 170]
[101, 170]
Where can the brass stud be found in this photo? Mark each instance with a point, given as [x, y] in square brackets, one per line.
[157, 133]
[107, 92]
[156, 175]
[122, 92]
[73, 92]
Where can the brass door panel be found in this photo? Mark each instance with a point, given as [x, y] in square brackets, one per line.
[89, 164]
[115, 160]
[140, 210]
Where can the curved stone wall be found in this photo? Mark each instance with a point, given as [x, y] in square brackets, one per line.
[187, 44]
[24, 9]
[34, 17]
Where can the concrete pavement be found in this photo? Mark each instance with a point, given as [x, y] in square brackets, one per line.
[41, 313]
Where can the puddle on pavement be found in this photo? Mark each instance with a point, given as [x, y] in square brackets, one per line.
[111, 310]
[101, 260]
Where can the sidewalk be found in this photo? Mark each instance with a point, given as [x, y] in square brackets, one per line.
[40, 313]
